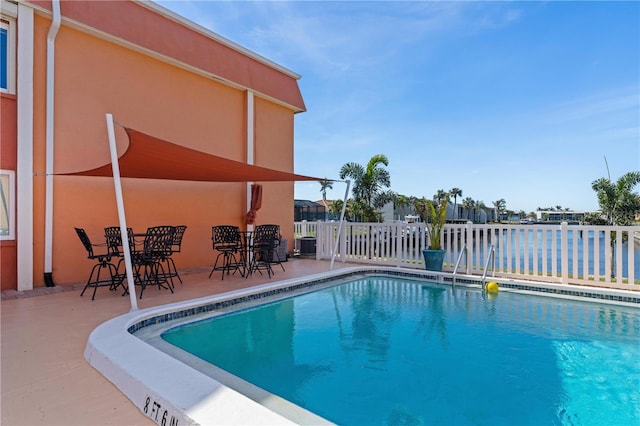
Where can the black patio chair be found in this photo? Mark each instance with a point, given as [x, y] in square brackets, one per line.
[148, 261]
[176, 246]
[114, 242]
[227, 241]
[266, 239]
[103, 261]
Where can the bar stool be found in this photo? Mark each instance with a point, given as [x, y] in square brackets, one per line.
[103, 261]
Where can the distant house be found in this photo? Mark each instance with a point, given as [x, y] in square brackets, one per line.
[560, 215]
[387, 212]
[310, 211]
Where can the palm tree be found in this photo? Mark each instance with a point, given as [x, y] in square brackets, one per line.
[440, 196]
[617, 201]
[401, 201]
[499, 205]
[434, 215]
[368, 185]
[455, 193]
[358, 210]
[336, 209]
[468, 204]
[324, 185]
[479, 206]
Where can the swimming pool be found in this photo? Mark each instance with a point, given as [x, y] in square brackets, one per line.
[389, 350]
[540, 356]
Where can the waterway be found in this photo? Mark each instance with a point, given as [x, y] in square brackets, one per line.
[534, 238]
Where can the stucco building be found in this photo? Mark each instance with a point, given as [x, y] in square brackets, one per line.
[68, 63]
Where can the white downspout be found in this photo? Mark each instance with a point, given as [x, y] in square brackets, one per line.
[250, 145]
[48, 206]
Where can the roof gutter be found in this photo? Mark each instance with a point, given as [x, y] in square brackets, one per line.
[48, 226]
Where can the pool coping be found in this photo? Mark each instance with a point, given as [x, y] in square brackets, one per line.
[189, 397]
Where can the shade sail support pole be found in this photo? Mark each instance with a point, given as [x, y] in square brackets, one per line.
[117, 183]
[344, 206]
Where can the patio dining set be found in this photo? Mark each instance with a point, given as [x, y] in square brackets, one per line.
[245, 252]
[151, 258]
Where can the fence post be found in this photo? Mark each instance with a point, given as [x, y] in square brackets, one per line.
[343, 244]
[619, 255]
[564, 252]
[468, 237]
[631, 248]
[321, 251]
[304, 228]
[398, 248]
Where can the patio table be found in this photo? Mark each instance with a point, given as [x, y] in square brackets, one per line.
[148, 250]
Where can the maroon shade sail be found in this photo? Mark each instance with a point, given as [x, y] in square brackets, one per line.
[148, 157]
[256, 203]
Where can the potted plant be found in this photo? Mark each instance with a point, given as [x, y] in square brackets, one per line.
[434, 215]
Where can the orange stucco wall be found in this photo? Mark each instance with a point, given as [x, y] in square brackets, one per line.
[274, 149]
[94, 77]
[8, 132]
[134, 22]
[8, 159]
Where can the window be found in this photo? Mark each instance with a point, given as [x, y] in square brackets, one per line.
[7, 205]
[7, 55]
[4, 55]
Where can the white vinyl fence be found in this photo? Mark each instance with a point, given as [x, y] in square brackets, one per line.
[570, 254]
[304, 229]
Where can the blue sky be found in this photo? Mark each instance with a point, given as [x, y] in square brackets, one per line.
[514, 100]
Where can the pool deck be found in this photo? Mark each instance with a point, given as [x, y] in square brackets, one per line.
[45, 379]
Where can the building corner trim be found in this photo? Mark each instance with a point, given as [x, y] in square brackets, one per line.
[24, 166]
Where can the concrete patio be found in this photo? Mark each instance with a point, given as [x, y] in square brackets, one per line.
[45, 379]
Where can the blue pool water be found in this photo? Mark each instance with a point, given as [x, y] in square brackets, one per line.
[394, 351]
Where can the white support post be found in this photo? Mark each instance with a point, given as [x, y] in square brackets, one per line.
[121, 215]
[344, 206]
